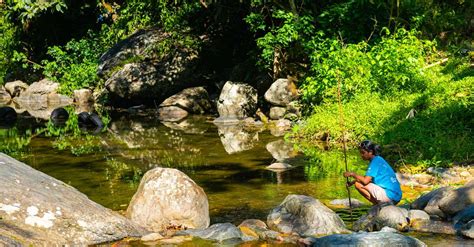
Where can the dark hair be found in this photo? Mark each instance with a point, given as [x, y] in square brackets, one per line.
[369, 146]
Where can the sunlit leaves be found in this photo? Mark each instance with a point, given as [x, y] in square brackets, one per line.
[29, 9]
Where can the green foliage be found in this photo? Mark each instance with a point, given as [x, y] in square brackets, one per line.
[392, 64]
[28, 10]
[288, 31]
[8, 42]
[437, 133]
[329, 163]
[74, 66]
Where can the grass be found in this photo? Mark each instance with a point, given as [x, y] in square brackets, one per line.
[438, 133]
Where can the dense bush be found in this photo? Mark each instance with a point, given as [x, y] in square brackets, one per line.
[432, 127]
[8, 42]
[391, 64]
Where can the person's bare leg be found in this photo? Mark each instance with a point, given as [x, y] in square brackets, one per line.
[365, 193]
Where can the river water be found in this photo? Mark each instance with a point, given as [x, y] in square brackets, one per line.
[229, 163]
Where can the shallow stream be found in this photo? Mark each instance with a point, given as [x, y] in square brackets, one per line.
[229, 163]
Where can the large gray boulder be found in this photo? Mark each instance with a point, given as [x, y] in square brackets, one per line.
[15, 88]
[36, 209]
[135, 46]
[457, 200]
[445, 203]
[282, 92]
[189, 101]
[423, 200]
[383, 215]
[236, 101]
[166, 198]
[138, 70]
[366, 239]
[306, 216]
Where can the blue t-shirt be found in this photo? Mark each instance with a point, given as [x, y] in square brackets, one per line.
[384, 176]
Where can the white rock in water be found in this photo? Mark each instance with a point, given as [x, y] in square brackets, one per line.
[279, 166]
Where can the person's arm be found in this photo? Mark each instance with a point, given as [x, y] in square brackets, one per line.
[358, 178]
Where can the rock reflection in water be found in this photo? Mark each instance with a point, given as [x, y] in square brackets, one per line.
[155, 146]
[42, 106]
[235, 137]
[187, 126]
[281, 150]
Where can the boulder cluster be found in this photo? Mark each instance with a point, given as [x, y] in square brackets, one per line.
[41, 98]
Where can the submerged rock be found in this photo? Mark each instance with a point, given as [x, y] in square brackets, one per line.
[306, 216]
[168, 198]
[218, 232]
[252, 228]
[363, 239]
[433, 226]
[36, 209]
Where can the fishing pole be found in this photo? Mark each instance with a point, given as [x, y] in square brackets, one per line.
[341, 117]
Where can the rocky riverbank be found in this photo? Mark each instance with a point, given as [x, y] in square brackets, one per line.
[170, 208]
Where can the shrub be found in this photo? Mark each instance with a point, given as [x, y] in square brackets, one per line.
[389, 65]
[437, 132]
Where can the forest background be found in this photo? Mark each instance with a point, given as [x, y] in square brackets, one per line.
[405, 66]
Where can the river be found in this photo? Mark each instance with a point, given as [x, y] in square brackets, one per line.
[229, 163]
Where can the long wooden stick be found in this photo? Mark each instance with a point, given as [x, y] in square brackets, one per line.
[341, 116]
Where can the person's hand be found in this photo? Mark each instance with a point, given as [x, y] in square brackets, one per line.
[348, 174]
[350, 183]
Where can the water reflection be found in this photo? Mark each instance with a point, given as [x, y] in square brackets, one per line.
[281, 150]
[107, 167]
[236, 138]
